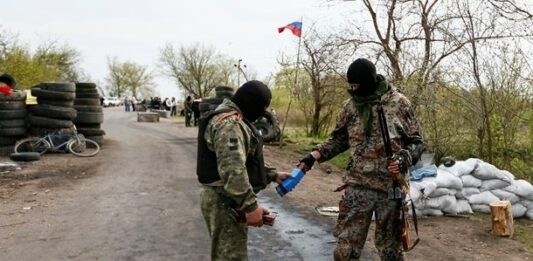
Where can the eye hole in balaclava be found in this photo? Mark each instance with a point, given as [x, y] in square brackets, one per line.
[252, 98]
[362, 78]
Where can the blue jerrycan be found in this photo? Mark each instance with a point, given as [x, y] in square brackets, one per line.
[290, 183]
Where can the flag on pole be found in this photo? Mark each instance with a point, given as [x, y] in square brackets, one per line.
[295, 27]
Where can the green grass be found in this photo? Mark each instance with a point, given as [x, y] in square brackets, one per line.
[523, 233]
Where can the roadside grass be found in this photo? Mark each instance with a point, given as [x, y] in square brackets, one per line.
[523, 229]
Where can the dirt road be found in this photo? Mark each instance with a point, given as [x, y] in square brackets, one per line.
[139, 200]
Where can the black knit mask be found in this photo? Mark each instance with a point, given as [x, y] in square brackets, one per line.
[362, 78]
[252, 98]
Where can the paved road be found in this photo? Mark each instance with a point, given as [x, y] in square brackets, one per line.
[143, 204]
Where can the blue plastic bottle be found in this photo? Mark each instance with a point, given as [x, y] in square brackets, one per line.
[290, 183]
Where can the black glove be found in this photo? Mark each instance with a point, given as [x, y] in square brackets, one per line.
[308, 160]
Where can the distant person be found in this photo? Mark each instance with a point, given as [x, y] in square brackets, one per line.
[188, 111]
[126, 104]
[173, 105]
[133, 103]
[196, 111]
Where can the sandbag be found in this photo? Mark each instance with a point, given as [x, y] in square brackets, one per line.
[446, 179]
[505, 195]
[447, 203]
[442, 192]
[493, 184]
[528, 204]
[471, 181]
[486, 171]
[484, 198]
[466, 192]
[461, 167]
[518, 210]
[463, 207]
[429, 212]
[414, 191]
[529, 214]
[427, 186]
[480, 208]
[521, 188]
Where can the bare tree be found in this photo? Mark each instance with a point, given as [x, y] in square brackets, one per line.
[129, 77]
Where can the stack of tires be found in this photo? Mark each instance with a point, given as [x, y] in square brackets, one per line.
[209, 104]
[12, 120]
[54, 111]
[90, 114]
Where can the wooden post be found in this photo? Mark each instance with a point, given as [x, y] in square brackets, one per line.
[502, 218]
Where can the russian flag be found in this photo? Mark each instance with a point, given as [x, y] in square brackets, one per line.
[295, 27]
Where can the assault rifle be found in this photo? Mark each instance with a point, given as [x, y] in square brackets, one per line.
[400, 186]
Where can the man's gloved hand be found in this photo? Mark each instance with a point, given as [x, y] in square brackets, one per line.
[397, 166]
[255, 217]
[307, 162]
[281, 176]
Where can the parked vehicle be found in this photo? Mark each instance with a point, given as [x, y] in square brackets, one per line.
[111, 102]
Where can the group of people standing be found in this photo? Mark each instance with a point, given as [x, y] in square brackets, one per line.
[232, 171]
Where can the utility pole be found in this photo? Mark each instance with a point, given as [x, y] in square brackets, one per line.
[239, 70]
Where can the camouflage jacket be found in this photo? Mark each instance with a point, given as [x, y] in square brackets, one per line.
[367, 166]
[233, 141]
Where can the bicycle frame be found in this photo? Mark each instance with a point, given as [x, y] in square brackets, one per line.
[49, 138]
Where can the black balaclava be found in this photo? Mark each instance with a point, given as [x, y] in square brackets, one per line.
[252, 98]
[362, 72]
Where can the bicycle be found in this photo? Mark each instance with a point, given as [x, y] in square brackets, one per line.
[76, 144]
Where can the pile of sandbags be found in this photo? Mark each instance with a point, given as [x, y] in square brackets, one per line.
[470, 186]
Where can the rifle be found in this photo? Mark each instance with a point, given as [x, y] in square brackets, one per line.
[400, 186]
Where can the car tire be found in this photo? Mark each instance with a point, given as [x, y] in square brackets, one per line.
[83, 95]
[58, 86]
[40, 132]
[89, 117]
[52, 95]
[92, 102]
[13, 114]
[49, 122]
[67, 104]
[97, 139]
[6, 150]
[8, 140]
[15, 96]
[85, 85]
[19, 131]
[12, 105]
[13, 123]
[88, 108]
[25, 156]
[91, 131]
[54, 112]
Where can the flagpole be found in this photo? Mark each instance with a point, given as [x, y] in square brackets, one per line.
[294, 86]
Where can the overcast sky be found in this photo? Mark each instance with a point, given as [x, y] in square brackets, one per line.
[135, 30]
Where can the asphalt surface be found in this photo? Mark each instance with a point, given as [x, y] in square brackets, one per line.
[142, 203]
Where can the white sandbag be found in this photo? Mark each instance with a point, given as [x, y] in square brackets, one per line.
[487, 171]
[463, 207]
[508, 174]
[485, 198]
[529, 214]
[492, 184]
[466, 192]
[447, 203]
[480, 208]
[527, 203]
[471, 181]
[521, 188]
[427, 185]
[445, 179]
[518, 210]
[505, 195]
[461, 167]
[442, 192]
[429, 212]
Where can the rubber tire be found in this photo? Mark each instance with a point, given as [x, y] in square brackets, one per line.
[12, 123]
[54, 112]
[8, 140]
[12, 105]
[58, 86]
[25, 156]
[98, 139]
[204, 107]
[89, 117]
[37, 131]
[224, 94]
[49, 122]
[6, 150]
[53, 95]
[46, 145]
[91, 132]
[83, 95]
[223, 88]
[13, 114]
[216, 101]
[85, 85]
[87, 140]
[86, 91]
[88, 126]
[91, 102]
[20, 131]
[88, 108]
[15, 96]
[66, 104]
[267, 132]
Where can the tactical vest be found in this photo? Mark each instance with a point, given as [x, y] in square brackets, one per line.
[206, 165]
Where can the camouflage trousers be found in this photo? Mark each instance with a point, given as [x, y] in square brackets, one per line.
[228, 238]
[355, 216]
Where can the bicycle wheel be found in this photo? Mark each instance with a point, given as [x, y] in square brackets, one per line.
[33, 144]
[83, 147]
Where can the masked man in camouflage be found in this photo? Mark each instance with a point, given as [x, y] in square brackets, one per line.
[369, 174]
[232, 170]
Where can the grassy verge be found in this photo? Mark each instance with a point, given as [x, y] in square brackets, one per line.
[523, 229]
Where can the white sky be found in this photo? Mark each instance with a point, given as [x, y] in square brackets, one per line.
[135, 30]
